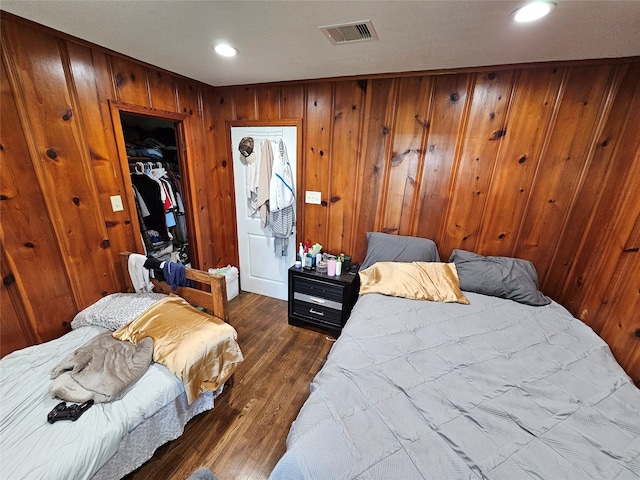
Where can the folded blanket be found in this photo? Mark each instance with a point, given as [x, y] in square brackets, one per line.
[101, 370]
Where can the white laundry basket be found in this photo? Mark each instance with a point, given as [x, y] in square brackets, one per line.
[231, 274]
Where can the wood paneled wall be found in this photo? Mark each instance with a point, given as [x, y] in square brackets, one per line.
[540, 162]
[536, 161]
[61, 163]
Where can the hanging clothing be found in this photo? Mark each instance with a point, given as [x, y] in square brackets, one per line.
[175, 275]
[264, 181]
[142, 212]
[282, 201]
[139, 275]
[252, 177]
[282, 223]
[150, 191]
[281, 185]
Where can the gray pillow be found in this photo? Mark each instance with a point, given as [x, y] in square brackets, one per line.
[384, 247]
[115, 310]
[503, 277]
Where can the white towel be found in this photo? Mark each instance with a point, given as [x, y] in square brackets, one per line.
[282, 185]
[139, 275]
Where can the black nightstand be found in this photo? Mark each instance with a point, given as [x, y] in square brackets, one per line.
[320, 300]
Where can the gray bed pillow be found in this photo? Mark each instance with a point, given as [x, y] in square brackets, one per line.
[384, 247]
[503, 277]
[115, 310]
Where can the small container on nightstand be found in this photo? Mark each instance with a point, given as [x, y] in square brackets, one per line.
[320, 300]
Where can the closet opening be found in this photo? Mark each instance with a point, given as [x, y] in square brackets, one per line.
[159, 196]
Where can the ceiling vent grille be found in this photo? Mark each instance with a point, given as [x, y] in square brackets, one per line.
[350, 32]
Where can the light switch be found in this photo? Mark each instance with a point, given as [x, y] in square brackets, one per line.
[312, 197]
[116, 203]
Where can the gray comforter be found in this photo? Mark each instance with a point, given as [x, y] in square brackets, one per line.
[494, 389]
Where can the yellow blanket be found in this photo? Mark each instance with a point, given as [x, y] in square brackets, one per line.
[199, 349]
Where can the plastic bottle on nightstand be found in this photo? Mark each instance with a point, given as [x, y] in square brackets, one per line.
[339, 267]
[301, 253]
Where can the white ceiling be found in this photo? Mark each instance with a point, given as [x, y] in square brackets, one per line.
[280, 40]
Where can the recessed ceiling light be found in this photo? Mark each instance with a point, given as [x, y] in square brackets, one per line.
[225, 50]
[533, 11]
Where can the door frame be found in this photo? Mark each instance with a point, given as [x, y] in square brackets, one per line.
[178, 119]
[230, 149]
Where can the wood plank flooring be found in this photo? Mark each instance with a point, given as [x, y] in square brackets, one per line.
[243, 437]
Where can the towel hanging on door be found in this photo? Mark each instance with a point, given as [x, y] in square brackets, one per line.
[264, 181]
[282, 201]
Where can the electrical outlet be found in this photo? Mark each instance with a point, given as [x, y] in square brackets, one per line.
[312, 197]
[116, 203]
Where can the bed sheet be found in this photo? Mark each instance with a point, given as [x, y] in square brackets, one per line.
[495, 389]
[34, 449]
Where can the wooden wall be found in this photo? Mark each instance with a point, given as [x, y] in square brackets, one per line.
[540, 162]
[61, 163]
[536, 161]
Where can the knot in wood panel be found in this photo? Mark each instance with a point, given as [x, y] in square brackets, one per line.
[498, 134]
[424, 123]
[119, 79]
[67, 115]
[51, 153]
[397, 159]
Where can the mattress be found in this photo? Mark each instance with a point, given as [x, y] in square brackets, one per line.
[35, 449]
[495, 389]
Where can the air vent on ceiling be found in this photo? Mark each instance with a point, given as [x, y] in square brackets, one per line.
[350, 32]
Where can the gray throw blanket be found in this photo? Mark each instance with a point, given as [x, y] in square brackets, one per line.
[100, 370]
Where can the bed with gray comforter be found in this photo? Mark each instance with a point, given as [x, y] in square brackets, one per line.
[494, 389]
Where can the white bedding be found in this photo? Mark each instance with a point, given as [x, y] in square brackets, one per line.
[35, 449]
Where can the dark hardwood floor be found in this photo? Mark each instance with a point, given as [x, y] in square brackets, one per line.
[243, 437]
